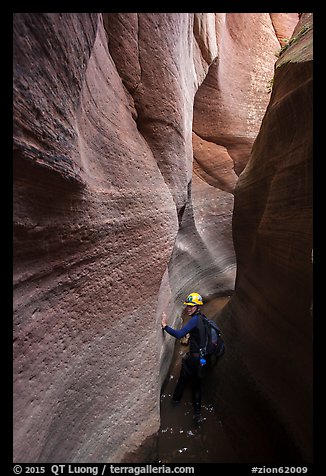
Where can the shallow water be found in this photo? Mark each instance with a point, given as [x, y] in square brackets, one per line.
[180, 439]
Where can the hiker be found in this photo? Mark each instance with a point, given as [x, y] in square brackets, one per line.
[190, 368]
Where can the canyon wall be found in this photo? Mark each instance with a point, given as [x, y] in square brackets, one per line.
[128, 140]
[268, 321]
[228, 109]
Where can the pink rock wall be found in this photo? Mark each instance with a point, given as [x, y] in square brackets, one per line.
[95, 225]
[230, 104]
[284, 24]
[270, 311]
[228, 108]
[110, 223]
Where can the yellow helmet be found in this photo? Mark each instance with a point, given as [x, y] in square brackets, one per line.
[194, 299]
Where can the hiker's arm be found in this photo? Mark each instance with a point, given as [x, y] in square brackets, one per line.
[185, 329]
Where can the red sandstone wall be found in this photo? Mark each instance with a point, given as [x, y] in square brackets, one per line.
[104, 195]
[269, 314]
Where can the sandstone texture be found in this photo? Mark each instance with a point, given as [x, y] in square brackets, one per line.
[270, 311]
[130, 131]
[95, 225]
[284, 24]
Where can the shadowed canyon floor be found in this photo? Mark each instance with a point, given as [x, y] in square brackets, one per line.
[180, 440]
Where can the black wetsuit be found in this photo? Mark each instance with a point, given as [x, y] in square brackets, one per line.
[190, 368]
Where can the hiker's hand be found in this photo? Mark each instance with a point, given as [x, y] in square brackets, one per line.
[164, 322]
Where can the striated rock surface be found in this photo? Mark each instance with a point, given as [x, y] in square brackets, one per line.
[113, 220]
[269, 314]
[95, 225]
[228, 108]
[232, 100]
[284, 24]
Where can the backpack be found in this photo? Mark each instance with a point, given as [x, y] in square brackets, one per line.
[211, 342]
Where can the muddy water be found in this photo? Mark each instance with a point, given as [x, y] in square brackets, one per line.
[180, 439]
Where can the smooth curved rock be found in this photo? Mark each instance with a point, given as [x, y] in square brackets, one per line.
[89, 256]
[232, 100]
[284, 24]
[270, 311]
[111, 224]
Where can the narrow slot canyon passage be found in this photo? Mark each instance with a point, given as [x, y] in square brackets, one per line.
[156, 155]
[180, 439]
